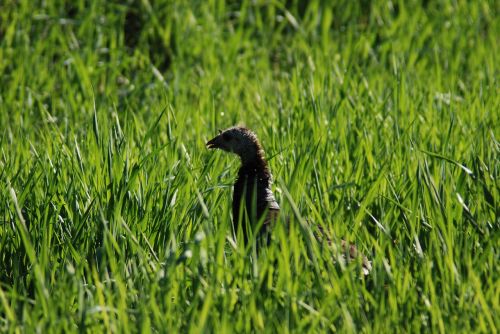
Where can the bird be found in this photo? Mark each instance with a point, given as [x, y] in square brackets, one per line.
[253, 189]
[253, 185]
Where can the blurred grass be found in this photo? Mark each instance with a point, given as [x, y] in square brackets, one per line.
[380, 120]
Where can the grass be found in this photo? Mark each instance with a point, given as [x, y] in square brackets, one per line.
[380, 121]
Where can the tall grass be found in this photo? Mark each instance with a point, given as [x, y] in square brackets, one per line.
[380, 122]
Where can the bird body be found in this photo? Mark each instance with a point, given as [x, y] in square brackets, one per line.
[253, 187]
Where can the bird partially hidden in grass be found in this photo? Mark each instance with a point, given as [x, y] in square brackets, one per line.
[254, 206]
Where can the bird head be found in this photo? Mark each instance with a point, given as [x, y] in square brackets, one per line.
[238, 140]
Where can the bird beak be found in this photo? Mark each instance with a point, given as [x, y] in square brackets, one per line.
[213, 143]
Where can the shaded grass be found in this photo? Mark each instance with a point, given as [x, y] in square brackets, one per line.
[380, 122]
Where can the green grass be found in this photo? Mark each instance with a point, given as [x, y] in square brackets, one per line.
[380, 120]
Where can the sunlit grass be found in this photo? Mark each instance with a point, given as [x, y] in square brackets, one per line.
[380, 122]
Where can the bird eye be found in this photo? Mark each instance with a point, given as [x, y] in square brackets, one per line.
[227, 136]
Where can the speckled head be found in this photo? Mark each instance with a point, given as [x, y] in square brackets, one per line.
[238, 140]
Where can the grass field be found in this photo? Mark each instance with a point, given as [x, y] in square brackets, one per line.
[380, 120]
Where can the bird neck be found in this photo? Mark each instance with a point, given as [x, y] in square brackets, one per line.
[250, 156]
[255, 165]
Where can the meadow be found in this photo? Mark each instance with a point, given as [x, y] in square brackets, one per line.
[380, 121]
